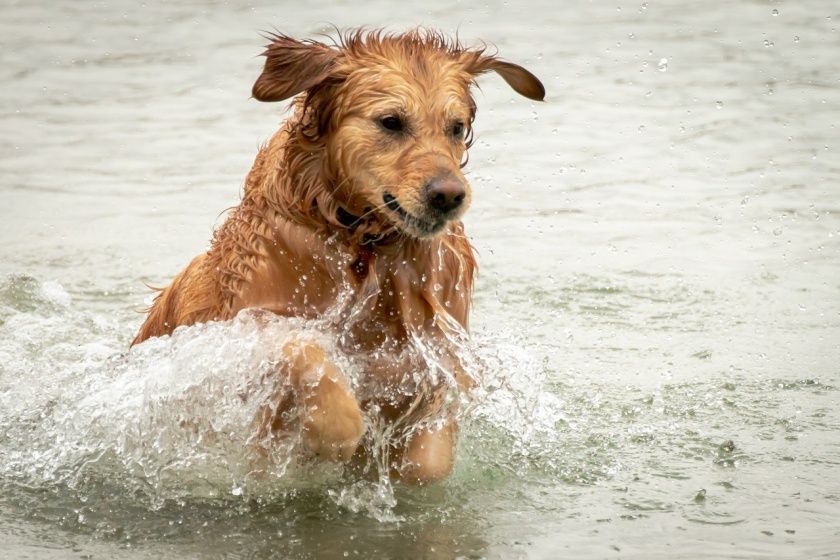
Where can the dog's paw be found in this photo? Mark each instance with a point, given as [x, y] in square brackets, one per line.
[333, 425]
[428, 457]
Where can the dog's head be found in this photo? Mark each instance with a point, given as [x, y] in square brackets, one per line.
[392, 115]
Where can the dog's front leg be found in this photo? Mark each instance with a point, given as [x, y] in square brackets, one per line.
[428, 455]
[330, 414]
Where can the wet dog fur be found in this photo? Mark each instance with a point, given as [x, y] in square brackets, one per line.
[353, 210]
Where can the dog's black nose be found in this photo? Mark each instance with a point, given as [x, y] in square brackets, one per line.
[445, 194]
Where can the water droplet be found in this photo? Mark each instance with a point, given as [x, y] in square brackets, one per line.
[775, 13]
[796, 39]
[662, 66]
[768, 43]
[718, 104]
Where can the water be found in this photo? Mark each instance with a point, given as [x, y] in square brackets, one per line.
[658, 304]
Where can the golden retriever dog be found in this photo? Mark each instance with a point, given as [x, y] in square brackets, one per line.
[352, 212]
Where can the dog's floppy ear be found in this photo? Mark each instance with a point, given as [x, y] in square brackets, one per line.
[292, 66]
[520, 79]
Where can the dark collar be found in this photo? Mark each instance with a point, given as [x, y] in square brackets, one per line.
[351, 222]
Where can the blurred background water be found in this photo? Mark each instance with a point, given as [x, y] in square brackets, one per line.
[659, 289]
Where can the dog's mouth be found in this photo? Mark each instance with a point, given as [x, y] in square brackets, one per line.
[420, 227]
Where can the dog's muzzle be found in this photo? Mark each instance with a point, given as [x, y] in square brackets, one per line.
[419, 226]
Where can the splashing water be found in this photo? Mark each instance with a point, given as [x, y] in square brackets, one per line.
[174, 419]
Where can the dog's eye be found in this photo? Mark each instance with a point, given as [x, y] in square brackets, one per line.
[392, 123]
[457, 129]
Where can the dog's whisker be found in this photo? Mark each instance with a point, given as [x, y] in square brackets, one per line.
[339, 185]
[371, 211]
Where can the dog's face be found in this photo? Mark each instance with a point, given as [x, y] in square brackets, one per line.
[394, 114]
[402, 138]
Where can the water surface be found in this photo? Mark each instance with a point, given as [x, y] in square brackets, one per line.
[659, 297]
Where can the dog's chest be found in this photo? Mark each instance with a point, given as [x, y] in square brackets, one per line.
[379, 300]
[376, 296]
[387, 305]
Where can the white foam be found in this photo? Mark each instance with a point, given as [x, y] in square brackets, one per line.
[174, 418]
